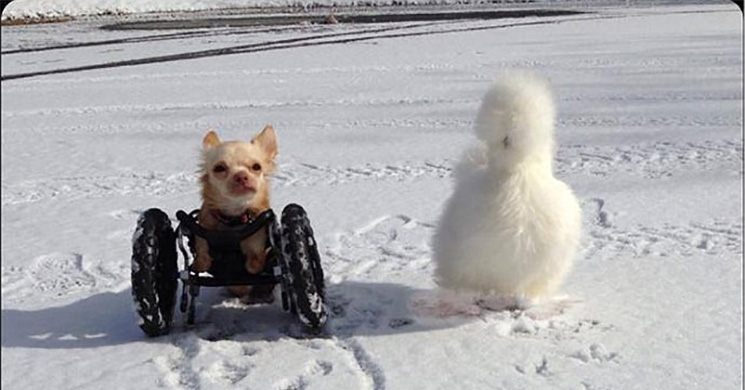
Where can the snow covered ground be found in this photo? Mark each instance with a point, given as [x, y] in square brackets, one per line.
[22, 9]
[650, 135]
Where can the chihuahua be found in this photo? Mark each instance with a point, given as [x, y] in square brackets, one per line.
[235, 189]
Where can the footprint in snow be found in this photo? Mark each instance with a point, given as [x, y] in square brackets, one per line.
[60, 273]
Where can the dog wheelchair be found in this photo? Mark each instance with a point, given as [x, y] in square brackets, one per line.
[292, 264]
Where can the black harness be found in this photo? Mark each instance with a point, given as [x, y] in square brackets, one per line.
[231, 221]
[228, 239]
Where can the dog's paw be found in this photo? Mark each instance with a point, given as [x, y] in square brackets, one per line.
[254, 265]
[202, 263]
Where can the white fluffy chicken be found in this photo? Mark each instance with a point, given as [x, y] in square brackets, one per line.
[510, 228]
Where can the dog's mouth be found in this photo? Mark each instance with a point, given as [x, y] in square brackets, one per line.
[242, 190]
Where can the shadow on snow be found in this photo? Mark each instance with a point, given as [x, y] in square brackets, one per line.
[355, 309]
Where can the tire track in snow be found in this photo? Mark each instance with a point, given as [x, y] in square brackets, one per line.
[290, 43]
[373, 374]
[308, 41]
[287, 43]
[145, 39]
[179, 372]
[278, 22]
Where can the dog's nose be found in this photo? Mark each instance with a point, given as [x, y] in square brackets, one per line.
[241, 177]
[242, 183]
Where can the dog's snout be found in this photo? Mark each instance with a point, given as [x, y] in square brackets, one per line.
[242, 182]
[241, 177]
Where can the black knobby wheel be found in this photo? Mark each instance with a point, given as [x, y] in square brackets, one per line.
[154, 272]
[305, 275]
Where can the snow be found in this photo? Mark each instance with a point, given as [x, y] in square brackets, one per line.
[650, 136]
[22, 9]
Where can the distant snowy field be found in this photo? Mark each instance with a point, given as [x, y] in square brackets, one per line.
[60, 8]
[650, 135]
[20, 9]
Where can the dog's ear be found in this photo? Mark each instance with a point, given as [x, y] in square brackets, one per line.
[210, 140]
[267, 140]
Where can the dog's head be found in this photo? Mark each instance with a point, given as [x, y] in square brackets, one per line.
[235, 174]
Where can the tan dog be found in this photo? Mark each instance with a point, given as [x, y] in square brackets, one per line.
[235, 188]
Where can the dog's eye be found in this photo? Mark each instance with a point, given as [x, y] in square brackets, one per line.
[256, 167]
[219, 168]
